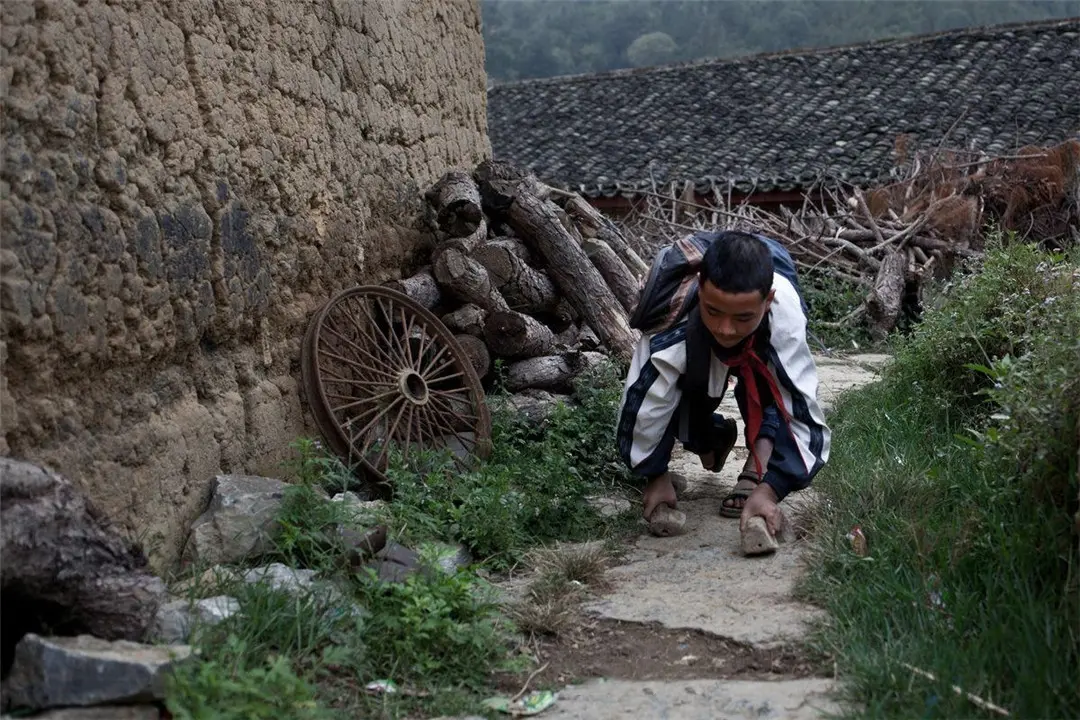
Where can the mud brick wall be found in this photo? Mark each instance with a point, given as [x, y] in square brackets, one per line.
[183, 183]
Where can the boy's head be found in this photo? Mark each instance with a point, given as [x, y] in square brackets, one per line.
[735, 286]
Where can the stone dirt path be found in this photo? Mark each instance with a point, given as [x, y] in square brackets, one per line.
[700, 581]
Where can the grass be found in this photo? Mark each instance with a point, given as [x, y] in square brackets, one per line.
[960, 467]
[440, 636]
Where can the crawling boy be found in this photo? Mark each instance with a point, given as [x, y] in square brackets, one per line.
[748, 321]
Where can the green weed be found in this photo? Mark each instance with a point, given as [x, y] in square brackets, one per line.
[960, 466]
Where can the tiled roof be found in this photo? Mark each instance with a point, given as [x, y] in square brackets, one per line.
[779, 121]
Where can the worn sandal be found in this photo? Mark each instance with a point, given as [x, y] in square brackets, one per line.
[746, 484]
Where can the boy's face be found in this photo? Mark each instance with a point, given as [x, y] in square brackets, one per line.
[731, 317]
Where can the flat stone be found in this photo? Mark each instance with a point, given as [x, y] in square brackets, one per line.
[53, 672]
[240, 522]
[695, 700]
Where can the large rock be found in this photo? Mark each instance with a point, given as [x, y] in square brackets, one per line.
[240, 522]
[79, 671]
[64, 566]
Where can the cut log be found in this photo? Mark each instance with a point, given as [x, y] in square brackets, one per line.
[514, 335]
[65, 571]
[421, 287]
[617, 276]
[468, 319]
[592, 223]
[477, 352]
[886, 298]
[525, 289]
[467, 280]
[574, 275]
[456, 201]
[550, 372]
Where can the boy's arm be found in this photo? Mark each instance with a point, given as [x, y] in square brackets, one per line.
[645, 434]
[798, 375]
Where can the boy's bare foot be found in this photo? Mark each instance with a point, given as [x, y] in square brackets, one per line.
[659, 491]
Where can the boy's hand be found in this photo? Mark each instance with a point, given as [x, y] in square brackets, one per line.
[708, 460]
[762, 502]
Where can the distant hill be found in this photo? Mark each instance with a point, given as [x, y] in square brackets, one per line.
[543, 38]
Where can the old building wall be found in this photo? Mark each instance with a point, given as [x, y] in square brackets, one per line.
[182, 184]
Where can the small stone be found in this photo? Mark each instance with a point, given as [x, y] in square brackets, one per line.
[756, 539]
[175, 619]
[281, 577]
[214, 610]
[609, 506]
[84, 670]
[364, 512]
[209, 581]
[666, 521]
[448, 557]
[240, 522]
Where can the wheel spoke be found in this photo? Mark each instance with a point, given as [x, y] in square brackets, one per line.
[377, 369]
[449, 409]
[385, 337]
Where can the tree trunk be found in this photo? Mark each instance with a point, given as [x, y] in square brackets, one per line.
[593, 224]
[525, 289]
[885, 299]
[65, 571]
[511, 334]
[421, 287]
[456, 201]
[477, 352]
[467, 280]
[617, 276]
[570, 268]
[468, 319]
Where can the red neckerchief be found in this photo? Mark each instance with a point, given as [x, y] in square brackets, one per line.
[747, 359]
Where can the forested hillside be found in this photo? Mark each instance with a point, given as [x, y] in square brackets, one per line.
[542, 38]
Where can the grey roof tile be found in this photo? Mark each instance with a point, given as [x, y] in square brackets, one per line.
[779, 121]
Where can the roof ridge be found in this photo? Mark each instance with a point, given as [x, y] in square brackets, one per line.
[975, 30]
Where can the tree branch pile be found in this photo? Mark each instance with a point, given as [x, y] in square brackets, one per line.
[890, 239]
[526, 274]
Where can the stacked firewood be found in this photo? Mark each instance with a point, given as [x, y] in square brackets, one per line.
[527, 274]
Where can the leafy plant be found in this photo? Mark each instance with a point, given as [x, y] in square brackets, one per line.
[960, 467]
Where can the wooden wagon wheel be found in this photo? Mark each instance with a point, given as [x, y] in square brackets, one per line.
[380, 370]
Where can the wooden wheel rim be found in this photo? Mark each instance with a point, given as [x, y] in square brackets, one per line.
[380, 369]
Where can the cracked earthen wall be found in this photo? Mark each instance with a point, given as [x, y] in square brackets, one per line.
[183, 183]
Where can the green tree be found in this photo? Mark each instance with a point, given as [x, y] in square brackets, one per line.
[653, 48]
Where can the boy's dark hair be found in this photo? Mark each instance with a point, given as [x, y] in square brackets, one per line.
[738, 262]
